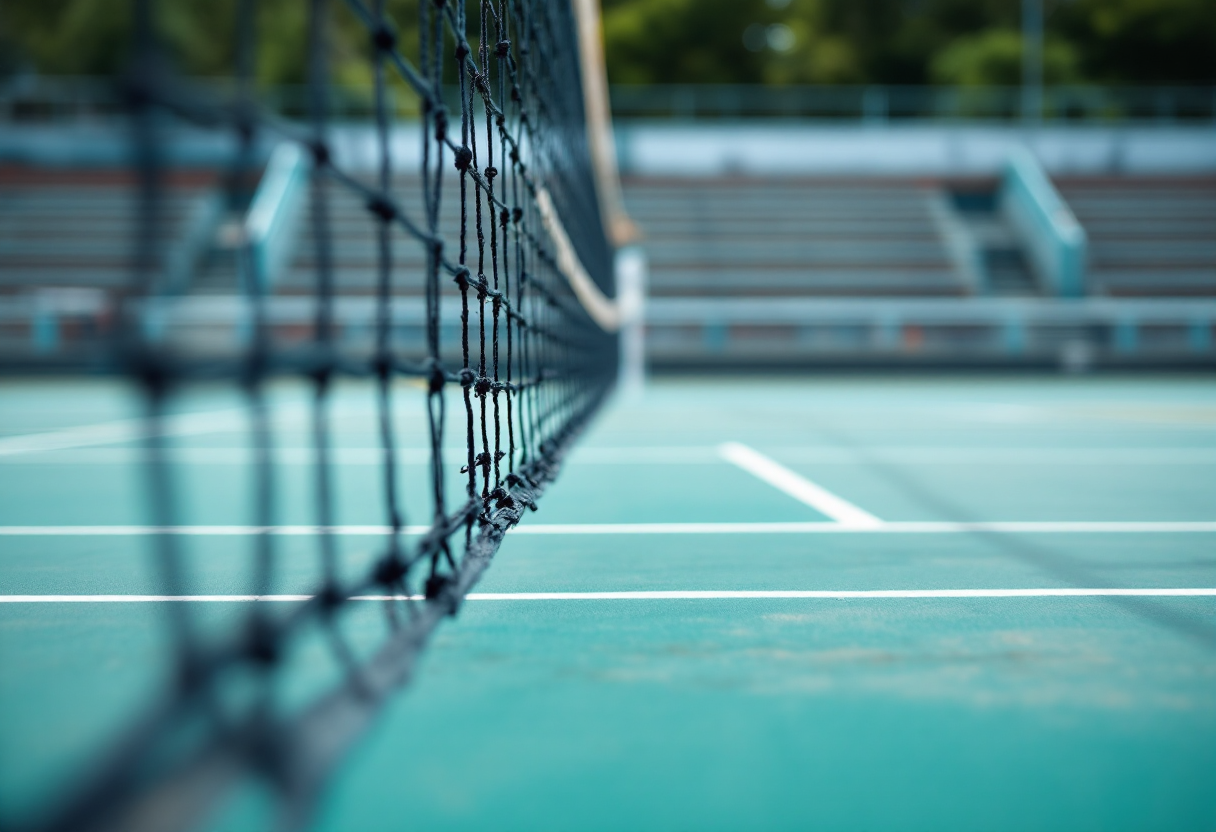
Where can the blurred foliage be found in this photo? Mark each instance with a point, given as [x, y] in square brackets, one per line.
[994, 56]
[970, 42]
[91, 37]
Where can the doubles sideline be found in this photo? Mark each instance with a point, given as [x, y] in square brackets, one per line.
[651, 595]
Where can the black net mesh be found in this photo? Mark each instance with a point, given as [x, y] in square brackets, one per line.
[460, 236]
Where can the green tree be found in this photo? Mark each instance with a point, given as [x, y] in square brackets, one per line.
[684, 41]
[92, 37]
[994, 57]
[1142, 41]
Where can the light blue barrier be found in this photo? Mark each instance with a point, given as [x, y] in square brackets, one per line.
[272, 223]
[1056, 242]
[1142, 331]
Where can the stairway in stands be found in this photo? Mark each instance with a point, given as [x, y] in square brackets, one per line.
[1147, 237]
[801, 238]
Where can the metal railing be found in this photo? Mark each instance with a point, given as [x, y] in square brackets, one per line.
[45, 98]
[1074, 333]
[881, 104]
[51, 99]
[64, 328]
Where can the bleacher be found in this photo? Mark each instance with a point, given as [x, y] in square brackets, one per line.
[72, 229]
[743, 271]
[1148, 237]
[749, 237]
[355, 250]
[67, 253]
[754, 272]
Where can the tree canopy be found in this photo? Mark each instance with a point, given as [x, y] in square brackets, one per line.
[968, 42]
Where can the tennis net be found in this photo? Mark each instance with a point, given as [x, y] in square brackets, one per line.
[518, 339]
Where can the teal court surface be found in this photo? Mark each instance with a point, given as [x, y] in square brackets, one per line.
[821, 603]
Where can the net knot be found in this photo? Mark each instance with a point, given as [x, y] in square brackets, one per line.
[437, 585]
[322, 374]
[441, 123]
[502, 48]
[503, 217]
[524, 487]
[517, 214]
[482, 387]
[320, 153]
[384, 38]
[263, 646]
[437, 379]
[382, 208]
[464, 157]
[467, 377]
[502, 498]
[462, 50]
[390, 570]
[381, 365]
[329, 598]
[491, 172]
[461, 278]
[138, 90]
[151, 369]
[482, 461]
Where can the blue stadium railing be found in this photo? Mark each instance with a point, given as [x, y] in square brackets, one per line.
[1050, 233]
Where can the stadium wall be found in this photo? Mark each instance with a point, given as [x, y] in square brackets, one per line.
[753, 148]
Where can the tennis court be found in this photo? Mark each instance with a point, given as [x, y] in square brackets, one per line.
[783, 603]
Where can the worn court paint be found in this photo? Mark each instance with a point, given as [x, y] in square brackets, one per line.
[723, 713]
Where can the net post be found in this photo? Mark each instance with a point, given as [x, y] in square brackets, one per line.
[631, 268]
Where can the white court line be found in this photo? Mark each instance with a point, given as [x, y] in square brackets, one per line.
[797, 486]
[654, 595]
[133, 430]
[197, 531]
[894, 527]
[125, 430]
[643, 455]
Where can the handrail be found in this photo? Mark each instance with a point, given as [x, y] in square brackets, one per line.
[1057, 243]
[879, 104]
[272, 221]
